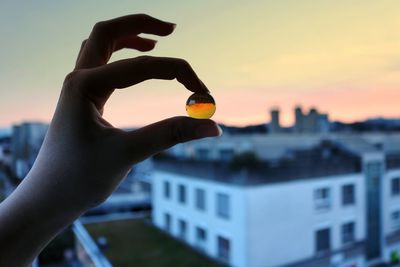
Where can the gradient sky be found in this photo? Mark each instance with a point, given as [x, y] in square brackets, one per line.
[340, 56]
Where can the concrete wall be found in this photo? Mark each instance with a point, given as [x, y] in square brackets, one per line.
[232, 228]
[390, 204]
[282, 219]
[271, 225]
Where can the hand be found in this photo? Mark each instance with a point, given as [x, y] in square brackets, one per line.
[84, 142]
[83, 157]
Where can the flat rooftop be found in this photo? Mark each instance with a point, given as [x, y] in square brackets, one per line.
[308, 164]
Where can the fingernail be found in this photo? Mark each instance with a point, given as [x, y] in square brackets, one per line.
[208, 131]
[220, 132]
[173, 25]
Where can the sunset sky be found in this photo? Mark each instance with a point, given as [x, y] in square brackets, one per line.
[341, 56]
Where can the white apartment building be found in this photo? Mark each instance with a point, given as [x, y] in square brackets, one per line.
[346, 217]
[391, 213]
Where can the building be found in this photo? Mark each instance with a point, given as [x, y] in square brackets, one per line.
[226, 147]
[5, 151]
[26, 140]
[131, 196]
[313, 122]
[331, 205]
[274, 126]
[278, 146]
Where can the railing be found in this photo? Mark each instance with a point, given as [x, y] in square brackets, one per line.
[89, 254]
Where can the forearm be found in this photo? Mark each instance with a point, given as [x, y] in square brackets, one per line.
[30, 217]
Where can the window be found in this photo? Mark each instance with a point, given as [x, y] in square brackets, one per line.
[182, 229]
[395, 219]
[201, 237]
[322, 240]
[223, 205]
[348, 195]
[181, 194]
[202, 154]
[167, 222]
[200, 200]
[322, 198]
[226, 154]
[396, 186]
[348, 232]
[224, 247]
[167, 189]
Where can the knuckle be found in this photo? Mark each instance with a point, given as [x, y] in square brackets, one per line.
[83, 43]
[183, 63]
[183, 68]
[70, 79]
[143, 59]
[100, 28]
[141, 18]
[75, 80]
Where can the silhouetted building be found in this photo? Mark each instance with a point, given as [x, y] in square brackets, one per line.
[26, 140]
[274, 126]
[313, 122]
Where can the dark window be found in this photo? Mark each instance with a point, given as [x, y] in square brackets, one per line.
[322, 240]
[167, 189]
[181, 194]
[348, 233]
[348, 195]
[167, 222]
[223, 205]
[182, 229]
[202, 154]
[322, 198]
[201, 237]
[224, 247]
[226, 154]
[200, 200]
[396, 186]
[395, 218]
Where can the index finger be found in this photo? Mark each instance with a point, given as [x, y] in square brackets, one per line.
[127, 72]
[104, 37]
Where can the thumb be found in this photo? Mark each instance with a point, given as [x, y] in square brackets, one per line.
[156, 137]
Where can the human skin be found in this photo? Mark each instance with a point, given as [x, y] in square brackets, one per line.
[83, 157]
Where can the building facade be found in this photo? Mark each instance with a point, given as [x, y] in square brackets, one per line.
[26, 140]
[349, 218]
[311, 122]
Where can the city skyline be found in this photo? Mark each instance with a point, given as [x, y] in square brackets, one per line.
[340, 57]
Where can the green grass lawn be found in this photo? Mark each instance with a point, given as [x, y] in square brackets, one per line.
[135, 243]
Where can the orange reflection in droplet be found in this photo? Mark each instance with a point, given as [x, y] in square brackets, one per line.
[201, 110]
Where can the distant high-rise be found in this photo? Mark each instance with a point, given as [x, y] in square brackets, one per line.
[313, 122]
[26, 141]
[274, 126]
[298, 126]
